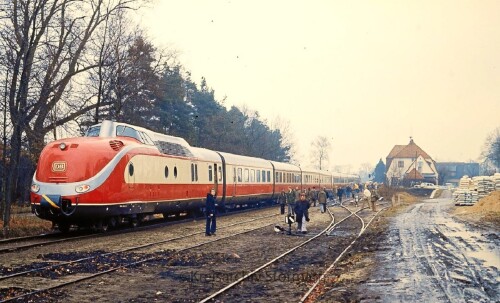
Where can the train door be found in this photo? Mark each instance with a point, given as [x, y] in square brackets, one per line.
[216, 179]
[234, 181]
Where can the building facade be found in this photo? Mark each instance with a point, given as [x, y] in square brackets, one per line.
[451, 172]
[409, 164]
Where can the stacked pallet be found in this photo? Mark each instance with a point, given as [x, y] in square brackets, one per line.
[496, 180]
[463, 197]
[472, 190]
[465, 183]
[484, 185]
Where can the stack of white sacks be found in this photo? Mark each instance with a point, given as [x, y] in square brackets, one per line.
[496, 179]
[471, 190]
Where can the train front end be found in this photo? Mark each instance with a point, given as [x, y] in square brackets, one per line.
[70, 173]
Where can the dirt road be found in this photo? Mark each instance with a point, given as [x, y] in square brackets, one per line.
[429, 256]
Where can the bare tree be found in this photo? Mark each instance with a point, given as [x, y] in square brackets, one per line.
[45, 45]
[491, 149]
[321, 147]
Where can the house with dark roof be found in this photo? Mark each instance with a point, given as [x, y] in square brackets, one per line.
[410, 164]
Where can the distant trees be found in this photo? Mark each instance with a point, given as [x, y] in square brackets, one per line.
[379, 173]
[45, 49]
[491, 152]
[67, 63]
[321, 147]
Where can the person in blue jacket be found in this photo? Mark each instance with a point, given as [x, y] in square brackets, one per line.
[211, 213]
[340, 193]
[302, 213]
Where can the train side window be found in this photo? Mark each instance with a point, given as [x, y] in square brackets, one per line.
[245, 175]
[131, 169]
[192, 172]
[240, 179]
[220, 173]
[252, 175]
[175, 172]
[258, 175]
[234, 174]
[166, 171]
[196, 172]
[281, 177]
[263, 175]
[210, 173]
[268, 176]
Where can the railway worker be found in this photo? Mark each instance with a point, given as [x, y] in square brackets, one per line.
[290, 200]
[302, 213]
[368, 196]
[297, 194]
[322, 197]
[282, 201]
[211, 213]
[314, 196]
[348, 192]
[340, 193]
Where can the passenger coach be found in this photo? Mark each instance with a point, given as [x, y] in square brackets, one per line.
[119, 172]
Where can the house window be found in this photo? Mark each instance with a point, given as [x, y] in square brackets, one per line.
[420, 164]
[401, 163]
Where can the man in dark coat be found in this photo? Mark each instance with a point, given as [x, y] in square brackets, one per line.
[322, 196]
[211, 213]
[282, 201]
[302, 212]
[340, 193]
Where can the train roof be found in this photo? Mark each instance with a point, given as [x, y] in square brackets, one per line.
[245, 160]
[205, 154]
[285, 166]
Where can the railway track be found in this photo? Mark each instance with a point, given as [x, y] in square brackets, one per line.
[118, 255]
[16, 244]
[365, 226]
[279, 265]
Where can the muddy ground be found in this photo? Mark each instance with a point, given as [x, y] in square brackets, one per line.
[415, 252]
[421, 253]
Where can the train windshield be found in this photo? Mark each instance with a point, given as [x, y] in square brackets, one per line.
[93, 131]
[125, 131]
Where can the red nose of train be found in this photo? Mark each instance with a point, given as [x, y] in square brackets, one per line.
[75, 159]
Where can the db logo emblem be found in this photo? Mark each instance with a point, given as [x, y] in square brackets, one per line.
[58, 166]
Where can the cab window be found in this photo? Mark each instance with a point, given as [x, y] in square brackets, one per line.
[125, 131]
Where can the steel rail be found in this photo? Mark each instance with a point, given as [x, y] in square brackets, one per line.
[94, 234]
[222, 290]
[140, 261]
[125, 250]
[316, 283]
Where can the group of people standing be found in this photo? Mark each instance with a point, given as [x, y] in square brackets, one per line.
[297, 201]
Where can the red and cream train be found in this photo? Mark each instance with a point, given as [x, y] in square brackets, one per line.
[119, 171]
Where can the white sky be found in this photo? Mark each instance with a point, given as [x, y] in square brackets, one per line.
[366, 74]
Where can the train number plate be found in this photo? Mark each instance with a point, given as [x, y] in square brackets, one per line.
[59, 166]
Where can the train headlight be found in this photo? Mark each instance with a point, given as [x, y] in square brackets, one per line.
[35, 188]
[82, 188]
[62, 146]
